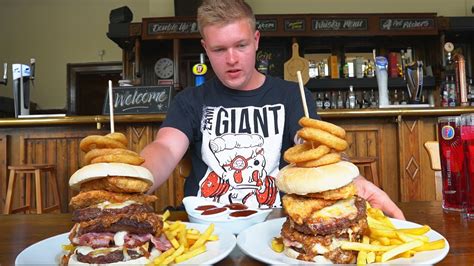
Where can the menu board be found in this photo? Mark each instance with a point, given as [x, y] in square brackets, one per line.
[171, 27]
[267, 25]
[400, 24]
[139, 100]
[337, 24]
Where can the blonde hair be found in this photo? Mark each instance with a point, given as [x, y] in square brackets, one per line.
[222, 12]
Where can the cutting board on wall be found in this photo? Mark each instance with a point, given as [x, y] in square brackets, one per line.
[295, 63]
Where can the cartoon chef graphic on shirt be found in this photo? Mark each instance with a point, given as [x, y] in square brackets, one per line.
[239, 170]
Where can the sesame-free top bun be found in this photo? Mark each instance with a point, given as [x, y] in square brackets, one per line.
[298, 180]
[100, 170]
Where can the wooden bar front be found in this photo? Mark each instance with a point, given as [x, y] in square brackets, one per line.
[394, 137]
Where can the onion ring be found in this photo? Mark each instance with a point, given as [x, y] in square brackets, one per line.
[325, 126]
[314, 134]
[118, 158]
[324, 160]
[305, 152]
[94, 153]
[97, 142]
[122, 184]
[118, 137]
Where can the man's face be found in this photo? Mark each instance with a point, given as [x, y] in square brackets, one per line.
[231, 48]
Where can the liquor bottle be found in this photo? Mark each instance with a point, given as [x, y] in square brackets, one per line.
[333, 100]
[326, 102]
[319, 101]
[313, 70]
[370, 69]
[451, 92]
[351, 98]
[403, 99]
[340, 102]
[395, 98]
[373, 99]
[471, 93]
[345, 69]
[365, 100]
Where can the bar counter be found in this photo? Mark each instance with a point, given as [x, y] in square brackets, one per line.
[329, 114]
[21, 231]
[394, 138]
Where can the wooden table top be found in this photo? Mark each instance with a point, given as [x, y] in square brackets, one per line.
[19, 231]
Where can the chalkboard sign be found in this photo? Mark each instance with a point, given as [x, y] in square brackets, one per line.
[139, 100]
[172, 27]
[406, 24]
[346, 24]
[292, 25]
[266, 25]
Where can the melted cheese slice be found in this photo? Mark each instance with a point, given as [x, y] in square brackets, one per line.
[110, 205]
[340, 209]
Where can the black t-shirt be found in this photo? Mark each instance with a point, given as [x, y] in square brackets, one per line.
[237, 138]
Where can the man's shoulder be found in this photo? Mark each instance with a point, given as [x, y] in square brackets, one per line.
[277, 81]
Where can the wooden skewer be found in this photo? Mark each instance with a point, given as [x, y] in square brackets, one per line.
[303, 96]
[111, 108]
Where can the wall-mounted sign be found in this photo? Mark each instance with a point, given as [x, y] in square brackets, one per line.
[346, 24]
[406, 24]
[266, 25]
[295, 25]
[139, 100]
[172, 27]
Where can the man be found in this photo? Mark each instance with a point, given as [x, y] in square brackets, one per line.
[237, 124]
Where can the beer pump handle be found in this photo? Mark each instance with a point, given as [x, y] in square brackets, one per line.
[4, 80]
[32, 68]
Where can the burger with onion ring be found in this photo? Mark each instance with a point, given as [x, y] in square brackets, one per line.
[323, 209]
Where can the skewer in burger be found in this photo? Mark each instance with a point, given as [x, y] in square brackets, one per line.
[321, 202]
[114, 220]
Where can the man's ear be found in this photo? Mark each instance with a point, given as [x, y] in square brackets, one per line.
[203, 43]
[257, 39]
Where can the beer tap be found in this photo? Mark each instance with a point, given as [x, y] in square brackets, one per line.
[4, 80]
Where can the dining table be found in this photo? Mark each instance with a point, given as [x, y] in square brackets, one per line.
[18, 231]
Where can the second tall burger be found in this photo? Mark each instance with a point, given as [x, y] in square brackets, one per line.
[321, 202]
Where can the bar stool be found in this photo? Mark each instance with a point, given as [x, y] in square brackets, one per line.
[432, 147]
[369, 164]
[30, 171]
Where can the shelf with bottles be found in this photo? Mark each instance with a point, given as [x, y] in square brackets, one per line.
[329, 83]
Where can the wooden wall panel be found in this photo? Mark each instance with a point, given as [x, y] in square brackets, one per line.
[417, 178]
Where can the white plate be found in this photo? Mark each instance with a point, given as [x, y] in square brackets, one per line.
[49, 251]
[255, 242]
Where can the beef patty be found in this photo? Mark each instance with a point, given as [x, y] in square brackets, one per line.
[326, 226]
[88, 214]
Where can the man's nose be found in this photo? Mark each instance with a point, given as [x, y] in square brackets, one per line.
[232, 56]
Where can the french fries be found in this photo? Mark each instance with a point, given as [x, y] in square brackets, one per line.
[385, 242]
[186, 242]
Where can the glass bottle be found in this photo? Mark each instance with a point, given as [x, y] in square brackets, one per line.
[395, 98]
[365, 100]
[319, 101]
[340, 102]
[326, 102]
[373, 101]
[333, 100]
[403, 99]
[351, 98]
[370, 69]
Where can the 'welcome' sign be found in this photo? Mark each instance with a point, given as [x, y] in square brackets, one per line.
[140, 100]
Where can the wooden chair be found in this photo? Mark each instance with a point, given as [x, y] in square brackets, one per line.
[30, 171]
[432, 147]
[369, 165]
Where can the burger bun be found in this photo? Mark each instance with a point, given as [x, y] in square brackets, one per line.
[100, 170]
[301, 181]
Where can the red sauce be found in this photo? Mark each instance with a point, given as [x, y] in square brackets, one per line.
[242, 213]
[236, 206]
[205, 207]
[213, 211]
